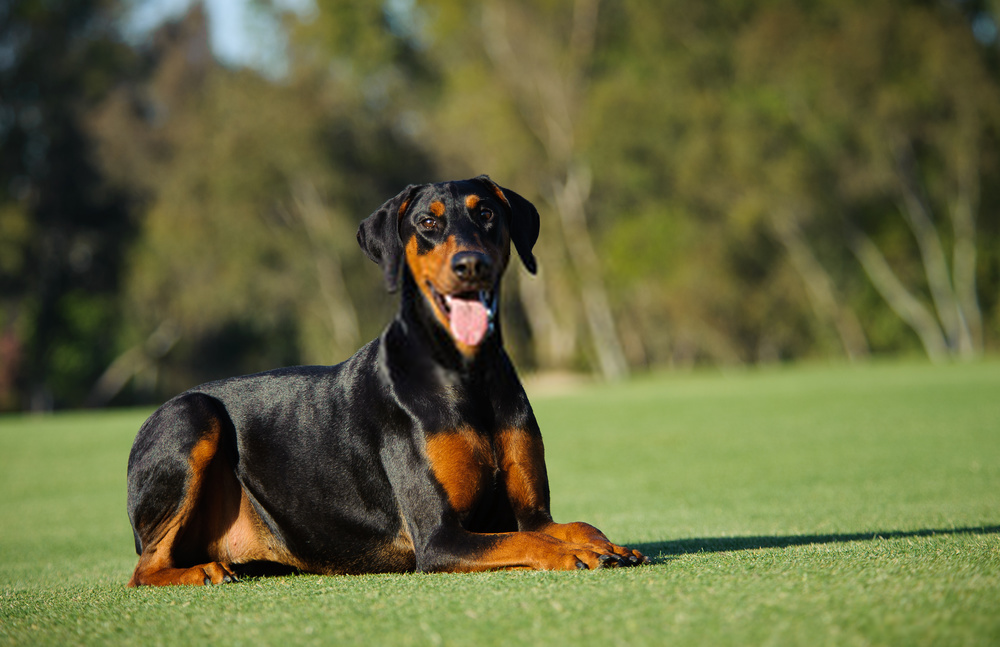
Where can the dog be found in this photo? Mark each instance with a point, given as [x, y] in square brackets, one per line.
[419, 453]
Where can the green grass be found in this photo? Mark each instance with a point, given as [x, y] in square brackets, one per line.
[805, 506]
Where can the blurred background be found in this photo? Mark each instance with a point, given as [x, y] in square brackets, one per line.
[721, 182]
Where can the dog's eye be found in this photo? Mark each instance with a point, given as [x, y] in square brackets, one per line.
[429, 224]
[486, 214]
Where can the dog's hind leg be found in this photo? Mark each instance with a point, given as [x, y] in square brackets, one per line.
[182, 493]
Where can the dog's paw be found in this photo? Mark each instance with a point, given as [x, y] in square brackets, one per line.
[218, 573]
[586, 535]
[200, 575]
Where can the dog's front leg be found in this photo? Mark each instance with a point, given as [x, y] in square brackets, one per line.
[454, 549]
[432, 493]
[523, 464]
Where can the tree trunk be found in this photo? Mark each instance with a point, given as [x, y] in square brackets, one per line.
[133, 363]
[554, 342]
[341, 316]
[820, 288]
[904, 304]
[917, 214]
[962, 214]
[548, 98]
[570, 199]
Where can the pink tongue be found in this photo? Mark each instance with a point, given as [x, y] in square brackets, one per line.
[469, 321]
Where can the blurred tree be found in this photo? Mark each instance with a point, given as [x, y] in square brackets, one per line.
[813, 127]
[247, 256]
[902, 125]
[726, 181]
[517, 85]
[62, 228]
[692, 282]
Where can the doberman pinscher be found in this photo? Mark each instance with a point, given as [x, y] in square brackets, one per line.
[420, 452]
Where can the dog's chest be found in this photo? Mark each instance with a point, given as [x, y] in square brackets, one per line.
[467, 466]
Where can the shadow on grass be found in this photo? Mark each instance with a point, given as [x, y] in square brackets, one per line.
[663, 551]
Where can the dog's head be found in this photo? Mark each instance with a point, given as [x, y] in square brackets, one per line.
[454, 240]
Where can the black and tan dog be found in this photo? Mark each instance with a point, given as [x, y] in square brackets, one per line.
[420, 452]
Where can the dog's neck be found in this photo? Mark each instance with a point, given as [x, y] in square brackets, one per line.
[416, 325]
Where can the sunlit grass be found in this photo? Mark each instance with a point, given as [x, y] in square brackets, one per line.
[790, 506]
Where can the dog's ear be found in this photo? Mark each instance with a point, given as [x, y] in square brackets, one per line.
[524, 222]
[378, 234]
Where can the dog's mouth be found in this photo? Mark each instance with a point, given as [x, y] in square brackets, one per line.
[469, 315]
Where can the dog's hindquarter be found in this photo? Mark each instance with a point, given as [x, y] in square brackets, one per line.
[310, 454]
[289, 471]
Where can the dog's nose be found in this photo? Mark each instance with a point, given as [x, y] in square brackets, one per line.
[471, 267]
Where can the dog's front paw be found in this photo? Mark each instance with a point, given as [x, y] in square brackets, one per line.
[584, 534]
[628, 556]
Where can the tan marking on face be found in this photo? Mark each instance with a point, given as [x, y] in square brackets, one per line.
[471, 201]
[500, 194]
[437, 208]
[461, 460]
[403, 207]
[433, 268]
[429, 269]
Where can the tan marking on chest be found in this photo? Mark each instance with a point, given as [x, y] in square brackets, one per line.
[462, 462]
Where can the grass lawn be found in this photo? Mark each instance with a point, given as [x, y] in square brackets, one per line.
[806, 506]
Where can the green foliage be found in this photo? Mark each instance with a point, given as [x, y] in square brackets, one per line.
[814, 505]
[254, 190]
[722, 182]
[800, 125]
[62, 230]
